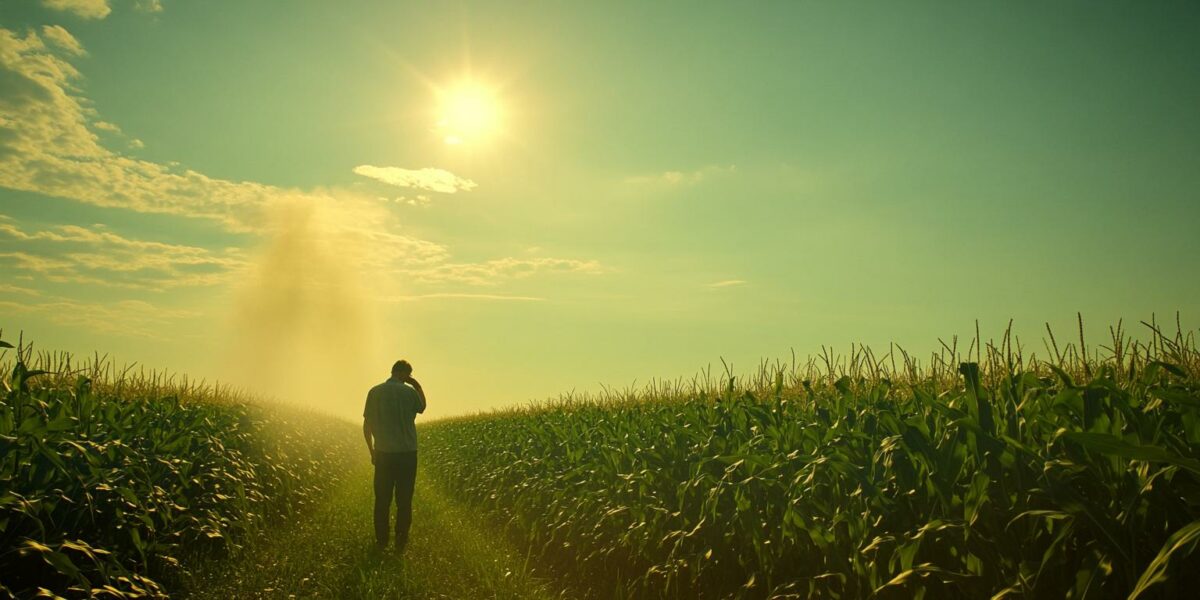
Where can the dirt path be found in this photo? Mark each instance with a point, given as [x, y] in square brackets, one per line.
[329, 554]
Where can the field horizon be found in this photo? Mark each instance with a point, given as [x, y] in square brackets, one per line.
[944, 351]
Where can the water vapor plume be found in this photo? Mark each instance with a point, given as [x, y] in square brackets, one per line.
[303, 327]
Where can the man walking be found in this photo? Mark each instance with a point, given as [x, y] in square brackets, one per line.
[391, 436]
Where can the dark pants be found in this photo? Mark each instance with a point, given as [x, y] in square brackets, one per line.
[395, 473]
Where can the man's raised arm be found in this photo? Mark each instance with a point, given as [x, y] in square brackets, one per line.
[420, 393]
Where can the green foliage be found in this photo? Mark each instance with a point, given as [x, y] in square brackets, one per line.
[110, 481]
[852, 477]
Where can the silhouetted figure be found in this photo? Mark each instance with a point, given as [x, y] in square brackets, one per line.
[388, 426]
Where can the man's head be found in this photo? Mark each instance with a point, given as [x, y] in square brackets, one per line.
[401, 370]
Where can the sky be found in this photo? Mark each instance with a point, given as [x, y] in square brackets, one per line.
[530, 200]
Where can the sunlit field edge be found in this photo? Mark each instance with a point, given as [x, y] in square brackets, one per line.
[982, 472]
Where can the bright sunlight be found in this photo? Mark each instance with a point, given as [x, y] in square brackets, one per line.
[468, 113]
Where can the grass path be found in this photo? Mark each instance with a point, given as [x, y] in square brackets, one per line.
[330, 554]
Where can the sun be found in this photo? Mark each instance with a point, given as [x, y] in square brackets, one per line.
[468, 113]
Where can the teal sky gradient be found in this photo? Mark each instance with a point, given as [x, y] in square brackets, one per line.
[869, 173]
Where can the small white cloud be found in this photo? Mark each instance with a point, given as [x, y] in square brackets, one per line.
[84, 9]
[150, 6]
[106, 126]
[726, 283]
[137, 144]
[681, 178]
[428, 179]
[63, 40]
[418, 200]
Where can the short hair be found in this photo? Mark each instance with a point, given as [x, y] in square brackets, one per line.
[401, 366]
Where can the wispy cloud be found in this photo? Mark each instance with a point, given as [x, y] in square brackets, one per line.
[74, 254]
[457, 296]
[131, 318]
[726, 283]
[60, 37]
[681, 178]
[16, 290]
[493, 272]
[428, 179]
[47, 147]
[84, 9]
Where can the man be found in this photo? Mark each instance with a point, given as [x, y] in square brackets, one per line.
[391, 436]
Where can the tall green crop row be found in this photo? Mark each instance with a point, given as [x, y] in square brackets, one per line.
[1004, 477]
[111, 482]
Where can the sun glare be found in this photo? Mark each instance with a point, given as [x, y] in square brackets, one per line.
[467, 113]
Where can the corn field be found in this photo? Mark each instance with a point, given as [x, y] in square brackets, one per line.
[112, 481]
[976, 474]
